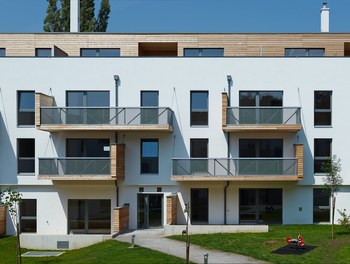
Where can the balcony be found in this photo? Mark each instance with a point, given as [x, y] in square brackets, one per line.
[85, 168]
[240, 169]
[56, 119]
[262, 119]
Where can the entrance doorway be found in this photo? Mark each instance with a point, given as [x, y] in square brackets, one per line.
[149, 210]
[260, 206]
[199, 206]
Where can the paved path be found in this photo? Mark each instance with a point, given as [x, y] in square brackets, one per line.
[154, 239]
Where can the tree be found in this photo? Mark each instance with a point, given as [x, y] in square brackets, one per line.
[332, 181]
[187, 212]
[52, 20]
[58, 20]
[11, 199]
[103, 16]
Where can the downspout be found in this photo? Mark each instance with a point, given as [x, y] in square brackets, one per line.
[116, 80]
[117, 193]
[225, 202]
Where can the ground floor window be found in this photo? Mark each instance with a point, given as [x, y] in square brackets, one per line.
[27, 214]
[260, 206]
[199, 206]
[89, 216]
[321, 205]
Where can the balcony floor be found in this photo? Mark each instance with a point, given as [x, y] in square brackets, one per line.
[245, 178]
[77, 177]
[69, 128]
[262, 128]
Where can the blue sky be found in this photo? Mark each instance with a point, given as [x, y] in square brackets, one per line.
[192, 15]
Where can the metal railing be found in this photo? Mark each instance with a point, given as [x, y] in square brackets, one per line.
[263, 115]
[235, 167]
[106, 116]
[75, 166]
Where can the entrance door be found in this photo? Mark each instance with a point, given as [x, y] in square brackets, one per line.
[260, 206]
[199, 206]
[149, 210]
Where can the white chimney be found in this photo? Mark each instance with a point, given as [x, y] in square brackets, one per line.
[74, 15]
[324, 18]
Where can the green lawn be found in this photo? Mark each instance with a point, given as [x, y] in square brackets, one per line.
[260, 245]
[110, 251]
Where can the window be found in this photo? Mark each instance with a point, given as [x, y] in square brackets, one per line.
[25, 155]
[199, 151]
[205, 52]
[27, 214]
[323, 108]
[2, 52]
[89, 216]
[149, 104]
[260, 98]
[301, 52]
[113, 52]
[88, 98]
[43, 52]
[199, 108]
[149, 156]
[322, 153]
[87, 147]
[321, 205]
[26, 108]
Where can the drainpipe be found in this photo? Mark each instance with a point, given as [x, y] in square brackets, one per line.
[116, 79]
[225, 202]
[117, 193]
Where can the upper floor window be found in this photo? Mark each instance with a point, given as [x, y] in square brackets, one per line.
[105, 52]
[43, 52]
[205, 52]
[25, 155]
[149, 156]
[199, 108]
[149, 104]
[301, 52]
[260, 98]
[87, 98]
[322, 153]
[25, 108]
[27, 214]
[323, 108]
[2, 52]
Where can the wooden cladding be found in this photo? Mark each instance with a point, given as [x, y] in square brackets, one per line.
[117, 153]
[299, 154]
[233, 44]
[2, 220]
[171, 209]
[224, 109]
[121, 219]
[41, 100]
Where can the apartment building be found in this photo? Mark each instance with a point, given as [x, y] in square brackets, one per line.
[106, 132]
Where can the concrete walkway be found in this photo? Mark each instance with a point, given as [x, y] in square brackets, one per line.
[154, 239]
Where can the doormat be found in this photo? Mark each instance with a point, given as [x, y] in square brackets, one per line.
[293, 250]
[42, 254]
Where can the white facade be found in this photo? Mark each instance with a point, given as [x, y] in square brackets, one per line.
[174, 78]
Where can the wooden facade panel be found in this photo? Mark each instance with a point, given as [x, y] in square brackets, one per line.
[121, 219]
[2, 220]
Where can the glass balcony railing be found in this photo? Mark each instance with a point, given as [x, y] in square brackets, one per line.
[235, 167]
[263, 116]
[75, 166]
[124, 116]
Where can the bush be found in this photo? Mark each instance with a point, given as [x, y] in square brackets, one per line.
[344, 221]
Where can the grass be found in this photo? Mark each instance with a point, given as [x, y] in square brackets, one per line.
[110, 251]
[260, 245]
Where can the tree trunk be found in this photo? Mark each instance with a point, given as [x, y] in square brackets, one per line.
[187, 238]
[333, 211]
[18, 250]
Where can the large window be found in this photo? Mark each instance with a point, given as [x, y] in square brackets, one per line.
[88, 98]
[87, 147]
[149, 104]
[199, 149]
[260, 98]
[27, 214]
[2, 52]
[25, 156]
[301, 52]
[199, 108]
[323, 108]
[105, 52]
[205, 52]
[26, 108]
[322, 153]
[149, 156]
[89, 216]
[43, 52]
[321, 205]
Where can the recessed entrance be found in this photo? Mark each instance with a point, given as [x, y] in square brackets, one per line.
[149, 210]
[199, 206]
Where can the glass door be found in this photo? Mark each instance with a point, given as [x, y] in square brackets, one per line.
[149, 210]
[199, 206]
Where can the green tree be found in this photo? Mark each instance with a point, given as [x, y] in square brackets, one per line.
[11, 199]
[65, 16]
[87, 15]
[52, 20]
[332, 182]
[103, 16]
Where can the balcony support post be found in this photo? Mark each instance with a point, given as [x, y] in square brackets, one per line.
[224, 109]
[299, 154]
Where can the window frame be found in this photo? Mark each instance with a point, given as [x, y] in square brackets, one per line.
[29, 110]
[306, 54]
[202, 51]
[314, 190]
[144, 159]
[197, 123]
[323, 110]
[28, 217]
[19, 158]
[2, 52]
[98, 52]
[321, 158]
[39, 50]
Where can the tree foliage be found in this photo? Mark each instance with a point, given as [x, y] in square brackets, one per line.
[332, 182]
[58, 19]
